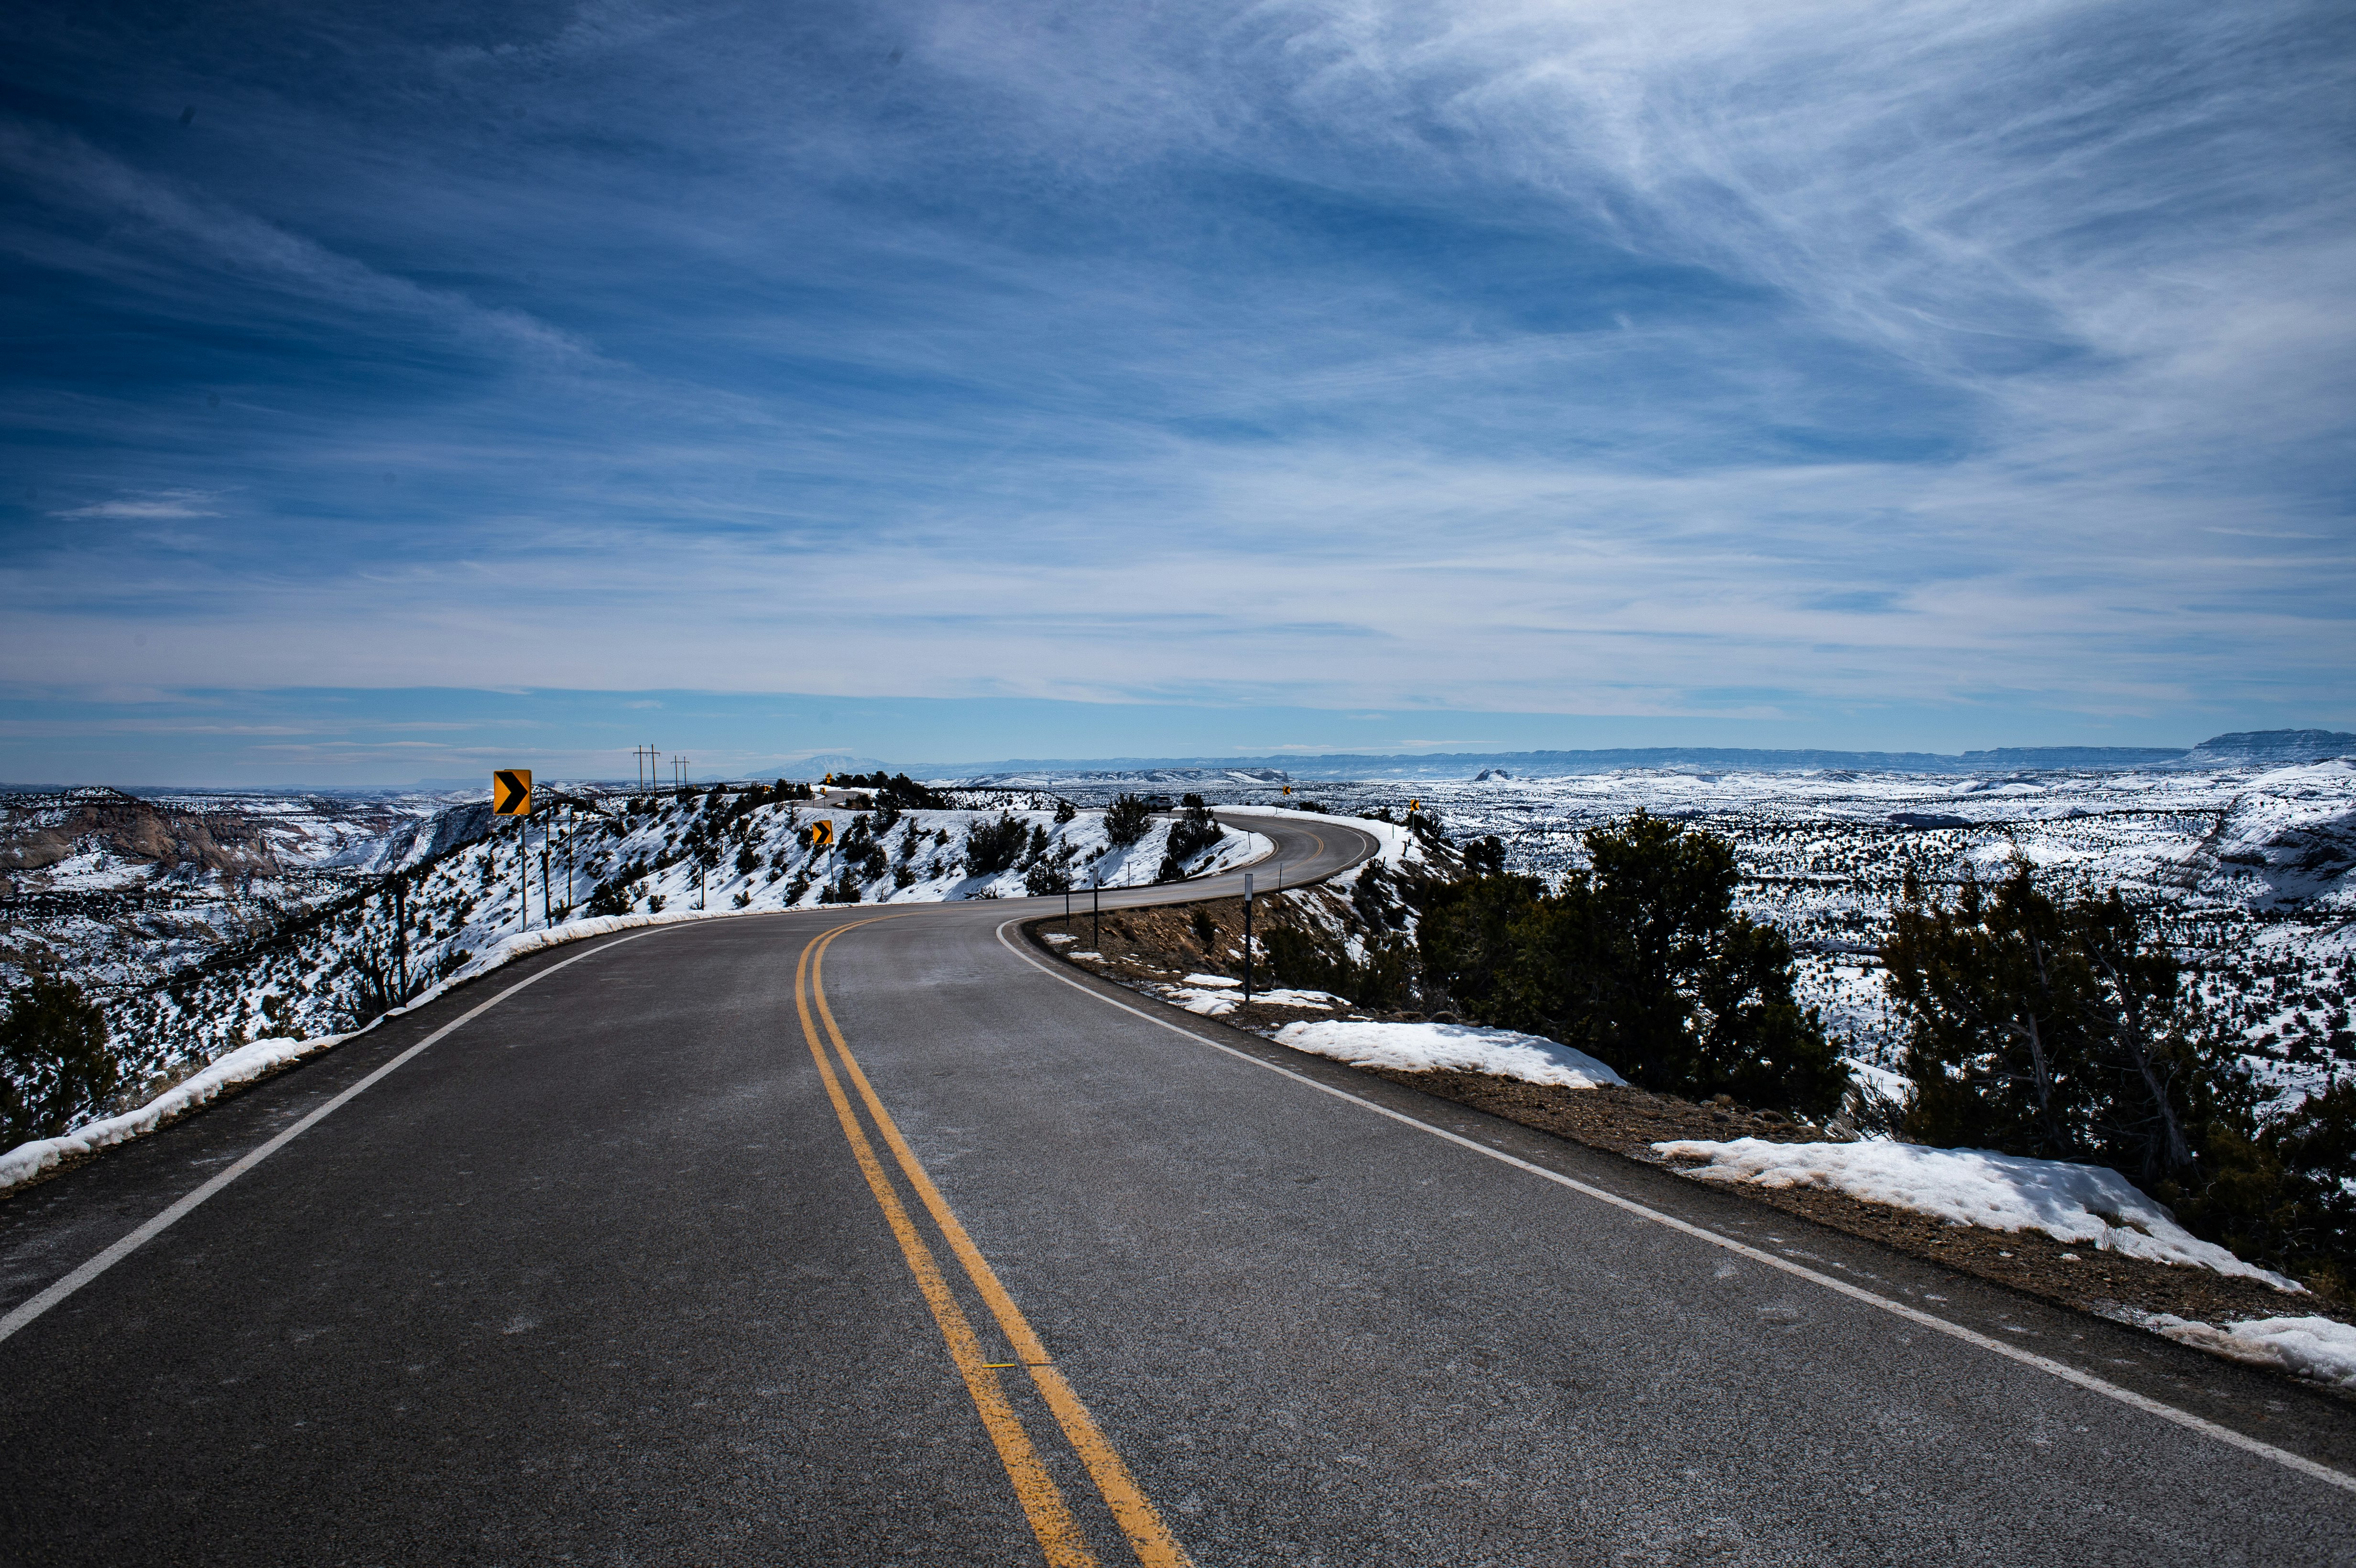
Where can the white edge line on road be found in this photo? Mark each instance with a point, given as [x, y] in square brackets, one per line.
[2068, 1374]
[27, 1311]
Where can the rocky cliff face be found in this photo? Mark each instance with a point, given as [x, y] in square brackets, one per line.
[120, 890]
[2290, 843]
[40, 831]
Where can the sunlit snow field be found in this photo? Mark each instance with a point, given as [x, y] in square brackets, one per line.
[2249, 869]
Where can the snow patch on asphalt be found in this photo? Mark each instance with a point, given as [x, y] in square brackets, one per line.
[2072, 1203]
[1449, 1048]
[2314, 1348]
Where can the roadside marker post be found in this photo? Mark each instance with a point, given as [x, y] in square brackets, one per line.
[1247, 937]
[511, 796]
[1096, 916]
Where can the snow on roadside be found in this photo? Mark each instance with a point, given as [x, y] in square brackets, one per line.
[243, 1065]
[2315, 1348]
[1453, 1048]
[2072, 1203]
[1216, 996]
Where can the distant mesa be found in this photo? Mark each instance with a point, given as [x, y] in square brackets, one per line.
[2269, 748]
[2258, 748]
[1080, 774]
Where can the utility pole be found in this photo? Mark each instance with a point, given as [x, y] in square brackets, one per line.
[1248, 954]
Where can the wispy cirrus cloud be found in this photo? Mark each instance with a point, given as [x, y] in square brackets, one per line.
[155, 505]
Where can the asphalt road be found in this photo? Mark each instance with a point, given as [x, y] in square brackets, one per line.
[631, 1268]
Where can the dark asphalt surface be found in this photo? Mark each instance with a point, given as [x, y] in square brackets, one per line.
[596, 1279]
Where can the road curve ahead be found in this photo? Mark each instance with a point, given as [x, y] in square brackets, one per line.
[865, 1235]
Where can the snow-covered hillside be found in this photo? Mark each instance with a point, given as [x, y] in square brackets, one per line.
[328, 968]
[121, 890]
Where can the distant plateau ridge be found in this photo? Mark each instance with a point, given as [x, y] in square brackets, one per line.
[2254, 748]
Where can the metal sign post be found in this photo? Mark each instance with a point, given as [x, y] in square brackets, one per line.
[511, 796]
[1247, 936]
[1096, 916]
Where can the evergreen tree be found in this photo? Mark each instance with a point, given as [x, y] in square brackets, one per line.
[1995, 1000]
[992, 847]
[1195, 831]
[1641, 961]
[1126, 819]
[2058, 1028]
[55, 1070]
[1468, 939]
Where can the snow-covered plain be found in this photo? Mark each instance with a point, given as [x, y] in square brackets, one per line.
[1454, 1048]
[2080, 1204]
[2251, 869]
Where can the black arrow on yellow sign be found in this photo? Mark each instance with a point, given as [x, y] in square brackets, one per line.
[511, 792]
[821, 833]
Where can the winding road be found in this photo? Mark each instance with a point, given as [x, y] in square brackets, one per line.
[874, 1235]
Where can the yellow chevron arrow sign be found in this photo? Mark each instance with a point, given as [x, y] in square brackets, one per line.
[511, 792]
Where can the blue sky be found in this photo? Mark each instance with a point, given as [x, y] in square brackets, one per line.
[390, 393]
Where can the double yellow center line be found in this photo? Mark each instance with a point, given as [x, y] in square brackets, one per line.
[1060, 1536]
